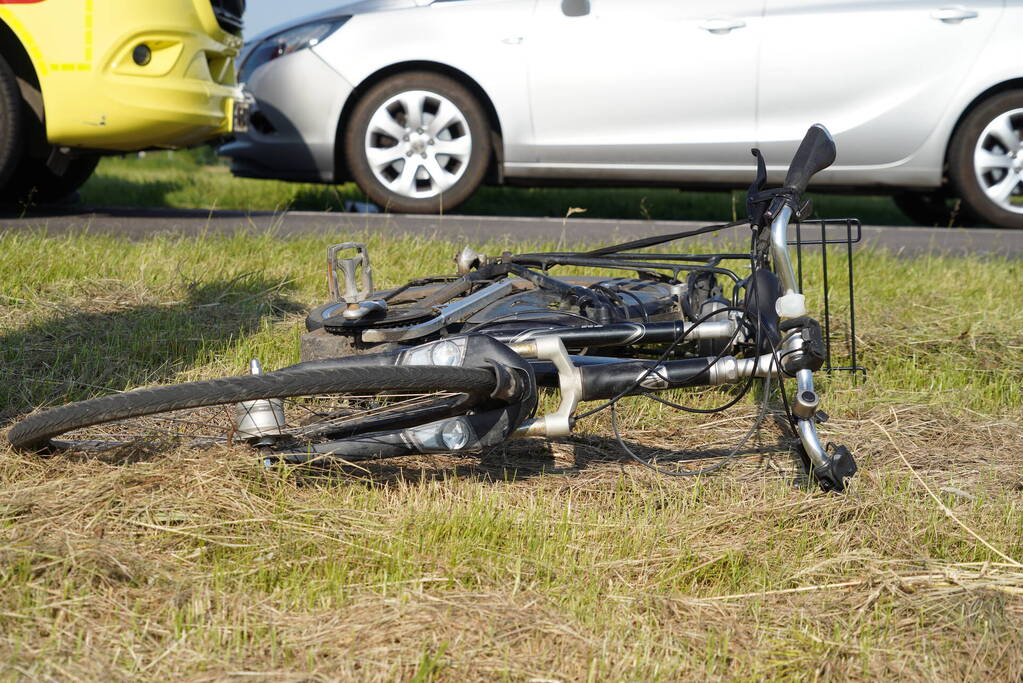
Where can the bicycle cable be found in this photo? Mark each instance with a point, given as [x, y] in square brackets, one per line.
[664, 356]
[762, 413]
[678, 340]
[661, 239]
[757, 424]
[535, 311]
[726, 460]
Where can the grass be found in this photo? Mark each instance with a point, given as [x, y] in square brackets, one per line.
[194, 180]
[539, 561]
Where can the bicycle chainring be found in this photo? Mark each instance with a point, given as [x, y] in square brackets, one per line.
[394, 317]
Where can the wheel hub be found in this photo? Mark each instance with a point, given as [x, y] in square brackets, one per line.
[417, 144]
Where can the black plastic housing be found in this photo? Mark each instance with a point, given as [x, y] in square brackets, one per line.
[816, 152]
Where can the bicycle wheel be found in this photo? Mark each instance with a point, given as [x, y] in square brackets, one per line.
[311, 410]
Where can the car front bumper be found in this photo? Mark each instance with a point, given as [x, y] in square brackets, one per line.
[184, 95]
[293, 126]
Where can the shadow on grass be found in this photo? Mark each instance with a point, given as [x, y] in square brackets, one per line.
[76, 354]
[101, 190]
[111, 190]
[148, 182]
[326, 198]
[318, 199]
[661, 204]
[773, 445]
[524, 460]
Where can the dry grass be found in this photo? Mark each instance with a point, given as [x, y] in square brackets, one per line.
[202, 566]
[540, 561]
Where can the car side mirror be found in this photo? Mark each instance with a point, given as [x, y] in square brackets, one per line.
[575, 8]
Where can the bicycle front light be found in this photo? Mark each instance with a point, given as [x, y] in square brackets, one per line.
[454, 434]
[449, 352]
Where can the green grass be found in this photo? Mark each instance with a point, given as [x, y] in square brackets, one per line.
[542, 560]
[195, 180]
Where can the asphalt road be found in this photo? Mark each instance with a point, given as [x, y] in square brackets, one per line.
[140, 223]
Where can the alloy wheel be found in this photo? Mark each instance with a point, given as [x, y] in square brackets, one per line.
[998, 161]
[418, 144]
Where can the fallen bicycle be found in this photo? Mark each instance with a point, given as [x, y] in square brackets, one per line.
[455, 363]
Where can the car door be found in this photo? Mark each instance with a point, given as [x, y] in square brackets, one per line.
[878, 73]
[661, 83]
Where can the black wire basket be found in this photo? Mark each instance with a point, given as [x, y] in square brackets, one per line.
[825, 268]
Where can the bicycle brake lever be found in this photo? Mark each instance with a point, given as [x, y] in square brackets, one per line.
[805, 210]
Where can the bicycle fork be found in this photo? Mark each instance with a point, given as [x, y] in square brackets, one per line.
[830, 468]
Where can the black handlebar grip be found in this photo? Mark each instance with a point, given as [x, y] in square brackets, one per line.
[816, 152]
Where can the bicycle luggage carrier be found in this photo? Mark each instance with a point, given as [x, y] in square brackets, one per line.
[837, 236]
[833, 270]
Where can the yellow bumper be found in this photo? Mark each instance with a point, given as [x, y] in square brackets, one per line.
[95, 93]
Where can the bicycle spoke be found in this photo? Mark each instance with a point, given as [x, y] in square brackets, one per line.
[307, 419]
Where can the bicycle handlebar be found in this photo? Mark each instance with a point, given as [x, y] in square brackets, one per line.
[816, 152]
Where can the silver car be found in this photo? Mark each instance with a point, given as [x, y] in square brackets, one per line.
[420, 101]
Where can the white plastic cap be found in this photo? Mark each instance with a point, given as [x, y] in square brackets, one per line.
[791, 305]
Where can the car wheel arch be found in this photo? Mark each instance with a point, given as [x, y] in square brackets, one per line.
[979, 100]
[12, 49]
[494, 173]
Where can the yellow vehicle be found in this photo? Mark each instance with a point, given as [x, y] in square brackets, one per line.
[80, 78]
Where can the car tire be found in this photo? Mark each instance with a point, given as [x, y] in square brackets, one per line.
[401, 157]
[35, 183]
[986, 160]
[11, 125]
[934, 208]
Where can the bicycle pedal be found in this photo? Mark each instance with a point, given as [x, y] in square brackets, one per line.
[349, 271]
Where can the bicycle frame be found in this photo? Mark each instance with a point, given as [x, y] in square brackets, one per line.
[770, 325]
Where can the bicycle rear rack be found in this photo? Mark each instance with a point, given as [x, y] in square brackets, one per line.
[836, 236]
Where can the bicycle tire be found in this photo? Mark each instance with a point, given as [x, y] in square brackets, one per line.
[36, 431]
